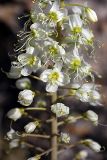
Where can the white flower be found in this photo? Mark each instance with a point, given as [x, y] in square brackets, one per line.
[65, 137]
[26, 97]
[54, 78]
[88, 93]
[92, 116]
[30, 127]
[86, 70]
[74, 60]
[11, 134]
[15, 113]
[92, 144]
[56, 14]
[60, 109]
[52, 50]
[38, 31]
[30, 63]
[87, 36]
[92, 16]
[14, 143]
[75, 24]
[23, 83]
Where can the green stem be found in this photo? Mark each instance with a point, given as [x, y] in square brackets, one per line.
[62, 4]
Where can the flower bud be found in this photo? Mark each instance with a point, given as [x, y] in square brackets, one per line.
[60, 109]
[30, 127]
[92, 144]
[23, 83]
[92, 116]
[92, 16]
[25, 97]
[15, 113]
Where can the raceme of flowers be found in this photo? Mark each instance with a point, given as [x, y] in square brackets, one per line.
[57, 45]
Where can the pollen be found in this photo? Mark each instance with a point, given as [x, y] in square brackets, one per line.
[35, 33]
[53, 51]
[54, 76]
[53, 16]
[75, 63]
[76, 30]
[32, 60]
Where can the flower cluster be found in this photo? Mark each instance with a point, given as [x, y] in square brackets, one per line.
[55, 37]
[56, 45]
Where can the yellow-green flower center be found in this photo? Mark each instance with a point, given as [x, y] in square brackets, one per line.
[76, 30]
[53, 16]
[53, 77]
[32, 60]
[35, 33]
[53, 50]
[75, 63]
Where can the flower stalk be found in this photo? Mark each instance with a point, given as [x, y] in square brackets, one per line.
[54, 132]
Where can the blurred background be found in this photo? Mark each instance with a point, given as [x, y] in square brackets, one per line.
[10, 10]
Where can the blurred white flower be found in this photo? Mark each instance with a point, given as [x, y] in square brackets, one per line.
[60, 109]
[14, 143]
[11, 134]
[65, 137]
[23, 83]
[15, 113]
[82, 155]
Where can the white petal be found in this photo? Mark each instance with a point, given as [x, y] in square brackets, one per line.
[55, 6]
[30, 50]
[45, 74]
[26, 71]
[51, 87]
